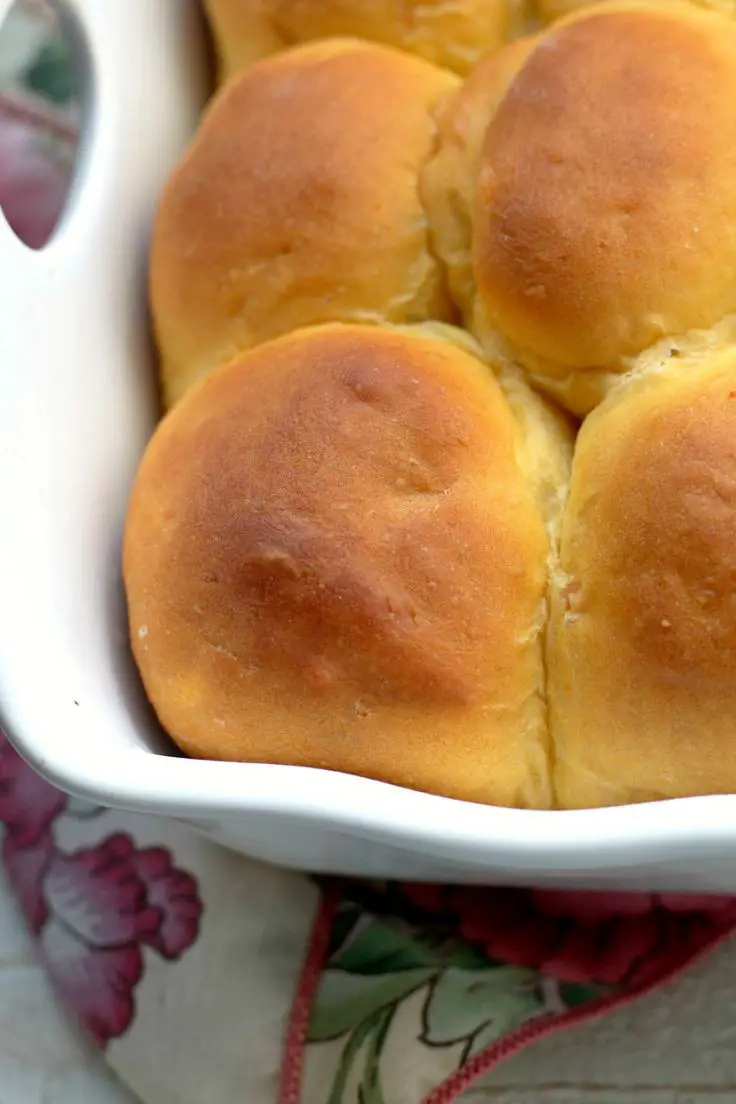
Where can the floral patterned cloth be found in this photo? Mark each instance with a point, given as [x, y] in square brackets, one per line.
[205, 976]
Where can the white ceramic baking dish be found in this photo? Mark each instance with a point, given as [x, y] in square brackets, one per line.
[76, 407]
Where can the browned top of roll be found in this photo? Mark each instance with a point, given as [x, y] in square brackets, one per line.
[665, 490]
[453, 34]
[549, 10]
[298, 203]
[644, 623]
[605, 209]
[333, 558]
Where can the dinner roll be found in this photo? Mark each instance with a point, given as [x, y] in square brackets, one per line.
[298, 202]
[643, 630]
[451, 33]
[549, 10]
[336, 556]
[600, 214]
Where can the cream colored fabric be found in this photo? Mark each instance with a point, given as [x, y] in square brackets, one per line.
[677, 1046]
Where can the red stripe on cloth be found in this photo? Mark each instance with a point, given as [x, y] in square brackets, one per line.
[296, 1034]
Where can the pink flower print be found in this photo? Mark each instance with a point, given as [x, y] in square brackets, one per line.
[593, 906]
[609, 938]
[97, 984]
[28, 804]
[97, 894]
[175, 894]
[105, 903]
[94, 913]
[26, 869]
[683, 902]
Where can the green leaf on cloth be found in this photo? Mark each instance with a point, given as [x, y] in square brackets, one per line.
[375, 1030]
[345, 1001]
[371, 1090]
[383, 945]
[575, 993]
[343, 925]
[479, 1006]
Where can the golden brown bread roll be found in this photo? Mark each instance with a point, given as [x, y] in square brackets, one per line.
[643, 630]
[451, 33]
[336, 555]
[298, 202]
[600, 214]
[549, 10]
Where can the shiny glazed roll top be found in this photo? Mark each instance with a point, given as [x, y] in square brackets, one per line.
[596, 212]
[549, 10]
[643, 629]
[298, 202]
[337, 555]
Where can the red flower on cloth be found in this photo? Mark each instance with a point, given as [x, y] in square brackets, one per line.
[28, 804]
[580, 936]
[96, 910]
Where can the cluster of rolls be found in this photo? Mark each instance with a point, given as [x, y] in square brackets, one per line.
[445, 493]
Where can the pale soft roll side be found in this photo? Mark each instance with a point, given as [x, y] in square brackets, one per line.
[643, 627]
[599, 215]
[337, 555]
[297, 203]
[451, 33]
[448, 181]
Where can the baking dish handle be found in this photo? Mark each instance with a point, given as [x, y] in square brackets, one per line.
[133, 129]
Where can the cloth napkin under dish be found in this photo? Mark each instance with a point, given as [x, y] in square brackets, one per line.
[205, 977]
